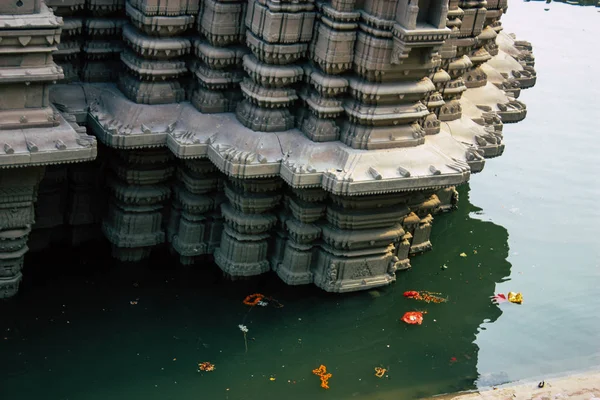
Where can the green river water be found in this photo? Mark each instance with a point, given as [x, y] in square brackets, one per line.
[529, 222]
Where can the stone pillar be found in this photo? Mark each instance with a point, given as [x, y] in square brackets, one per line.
[18, 192]
[154, 52]
[102, 48]
[296, 245]
[277, 34]
[218, 68]
[68, 55]
[32, 131]
[331, 52]
[387, 109]
[249, 217]
[195, 224]
[139, 188]
[28, 67]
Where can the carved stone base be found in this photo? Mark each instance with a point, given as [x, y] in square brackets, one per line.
[242, 258]
[215, 101]
[356, 271]
[151, 92]
[263, 119]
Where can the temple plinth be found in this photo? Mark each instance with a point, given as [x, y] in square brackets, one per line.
[317, 140]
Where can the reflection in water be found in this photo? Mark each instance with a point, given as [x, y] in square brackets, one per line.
[73, 331]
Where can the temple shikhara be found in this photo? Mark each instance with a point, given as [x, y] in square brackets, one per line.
[314, 139]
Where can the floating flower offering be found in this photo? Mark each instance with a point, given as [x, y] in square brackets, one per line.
[259, 299]
[515, 297]
[253, 299]
[423, 295]
[321, 372]
[413, 317]
[206, 366]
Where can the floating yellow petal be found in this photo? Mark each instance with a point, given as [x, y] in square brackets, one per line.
[379, 372]
[515, 297]
[463, 254]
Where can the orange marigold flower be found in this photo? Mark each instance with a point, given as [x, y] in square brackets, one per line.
[413, 317]
[253, 299]
[321, 372]
[206, 366]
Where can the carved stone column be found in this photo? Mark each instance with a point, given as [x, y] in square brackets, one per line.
[296, 245]
[332, 53]
[155, 50]
[277, 34]
[195, 224]
[218, 67]
[139, 188]
[18, 192]
[68, 55]
[102, 48]
[249, 217]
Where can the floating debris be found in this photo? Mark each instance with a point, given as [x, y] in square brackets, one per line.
[206, 366]
[499, 298]
[515, 297]
[463, 254]
[253, 299]
[423, 295]
[413, 317]
[321, 372]
[244, 330]
[271, 379]
[259, 299]
[380, 372]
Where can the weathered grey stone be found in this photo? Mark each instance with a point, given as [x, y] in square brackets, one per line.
[317, 140]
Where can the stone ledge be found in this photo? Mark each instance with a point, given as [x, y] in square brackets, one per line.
[240, 152]
[45, 146]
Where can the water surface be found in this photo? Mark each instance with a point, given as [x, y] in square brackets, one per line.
[528, 223]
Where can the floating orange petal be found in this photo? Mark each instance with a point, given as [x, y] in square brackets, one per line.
[321, 372]
[206, 366]
[413, 317]
[253, 299]
[379, 372]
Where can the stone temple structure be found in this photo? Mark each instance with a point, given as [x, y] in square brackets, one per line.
[314, 139]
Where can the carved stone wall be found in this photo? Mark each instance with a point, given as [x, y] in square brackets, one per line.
[314, 139]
